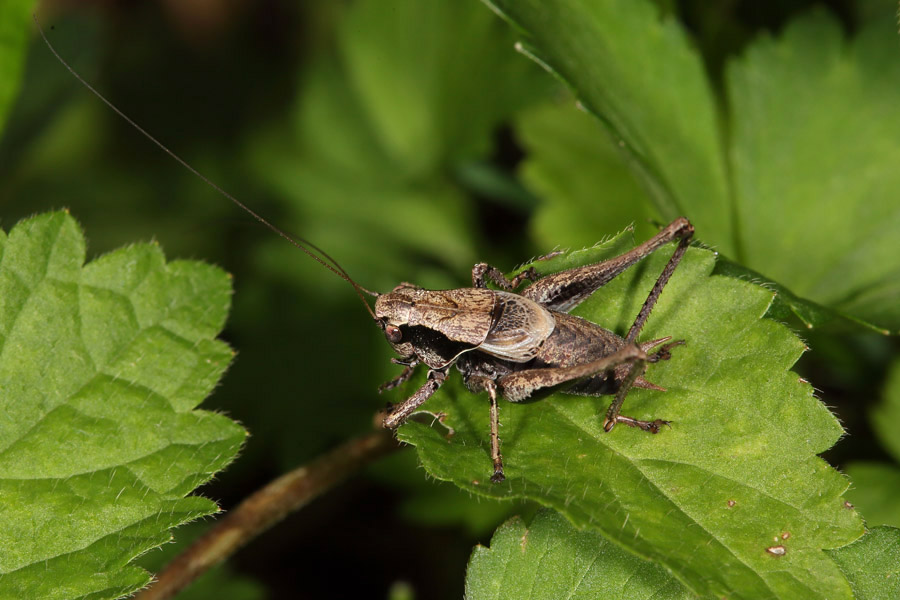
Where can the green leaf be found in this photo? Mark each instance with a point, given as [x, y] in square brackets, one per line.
[15, 20]
[735, 475]
[816, 142]
[872, 564]
[874, 492]
[885, 416]
[787, 305]
[586, 187]
[101, 368]
[639, 75]
[797, 194]
[578, 172]
[423, 88]
[551, 559]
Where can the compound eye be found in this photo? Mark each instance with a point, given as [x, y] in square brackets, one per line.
[392, 333]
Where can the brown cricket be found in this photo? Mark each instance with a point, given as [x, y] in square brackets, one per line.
[514, 344]
[504, 342]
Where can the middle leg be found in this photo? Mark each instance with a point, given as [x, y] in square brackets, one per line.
[484, 383]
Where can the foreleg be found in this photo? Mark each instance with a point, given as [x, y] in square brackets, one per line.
[409, 368]
[398, 413]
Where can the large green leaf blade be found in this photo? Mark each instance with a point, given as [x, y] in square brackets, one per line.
[434, 92]
[102, 367]
[586, 187]
[712, 497]
[639, 75]
[816, 142]
[578, 172]
[551, 559]
[813, 150]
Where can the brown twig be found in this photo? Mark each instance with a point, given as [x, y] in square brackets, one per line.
[266, 507]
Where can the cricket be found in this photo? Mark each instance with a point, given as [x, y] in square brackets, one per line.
[515, 342]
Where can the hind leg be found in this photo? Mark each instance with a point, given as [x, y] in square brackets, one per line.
[520, 385]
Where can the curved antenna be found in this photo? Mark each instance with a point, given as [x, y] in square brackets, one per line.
[339, 267]
[298, 242]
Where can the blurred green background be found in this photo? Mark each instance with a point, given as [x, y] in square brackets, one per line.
[389, 133]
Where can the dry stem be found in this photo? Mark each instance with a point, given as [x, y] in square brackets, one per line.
[266, 507]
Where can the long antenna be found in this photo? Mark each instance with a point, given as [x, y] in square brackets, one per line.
[298, 242]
